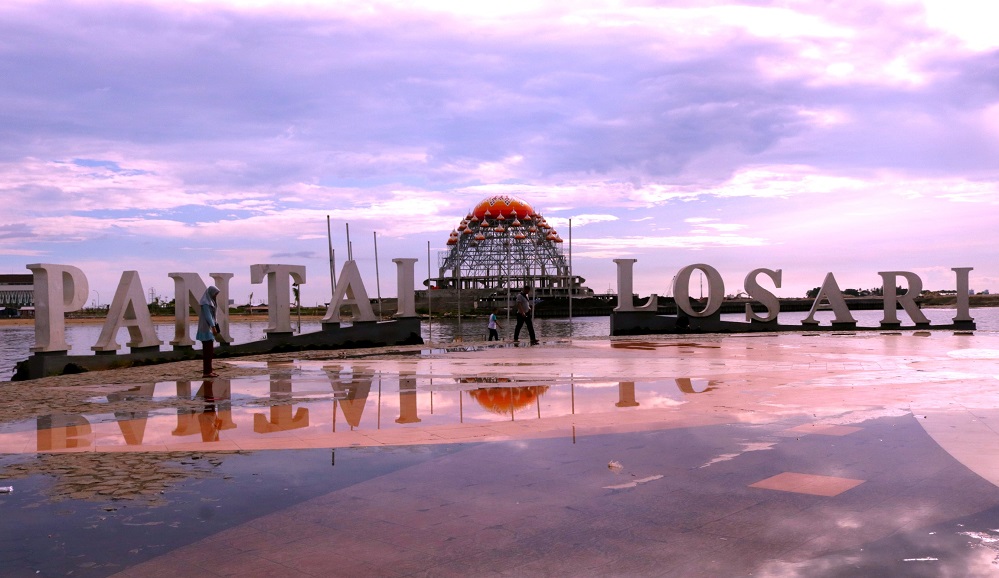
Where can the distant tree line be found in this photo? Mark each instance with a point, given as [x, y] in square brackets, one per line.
[872, 292]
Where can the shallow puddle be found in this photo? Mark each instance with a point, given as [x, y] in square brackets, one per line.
[311, 404]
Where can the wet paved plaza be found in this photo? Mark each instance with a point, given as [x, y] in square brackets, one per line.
[770, 455]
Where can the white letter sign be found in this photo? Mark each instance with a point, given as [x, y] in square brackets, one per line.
[908, 300]
[830, 291]
[278, 293]
[188, 290]
[58, 289]
[716, 290]
[350, 284]
[128, 309]
[768, 299]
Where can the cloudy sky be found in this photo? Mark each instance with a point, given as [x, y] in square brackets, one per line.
[851, 137]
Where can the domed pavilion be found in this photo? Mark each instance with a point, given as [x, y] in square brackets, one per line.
[503, 242]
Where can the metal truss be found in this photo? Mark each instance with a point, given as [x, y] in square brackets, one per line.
[497, 252]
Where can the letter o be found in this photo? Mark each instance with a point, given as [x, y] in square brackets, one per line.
[681, 290]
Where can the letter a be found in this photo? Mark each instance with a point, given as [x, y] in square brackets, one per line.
[350, 285]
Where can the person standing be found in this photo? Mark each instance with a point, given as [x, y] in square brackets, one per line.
[208, 329]
[525, 314]
[493, 326]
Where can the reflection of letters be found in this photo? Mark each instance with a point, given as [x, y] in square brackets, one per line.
[407, 399]
[132, 423]
[63, 432]
[217, 396]
[283, 416]
[186, 422]
[351, 391]
[688, 385]
[626, 394]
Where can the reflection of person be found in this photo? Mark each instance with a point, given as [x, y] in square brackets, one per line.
[524, 315]
[208, 329]
[208, 419]
[493, 326]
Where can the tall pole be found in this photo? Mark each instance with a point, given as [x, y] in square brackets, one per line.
[508, 279]
[350, 252]
[460, 338]
[571, 279]
[378, 281]
[329, 238]
[430, 311]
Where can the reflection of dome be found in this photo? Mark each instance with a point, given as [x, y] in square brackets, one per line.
[502, 205]
[503, 400]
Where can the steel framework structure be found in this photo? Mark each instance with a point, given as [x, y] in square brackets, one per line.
[502, 244]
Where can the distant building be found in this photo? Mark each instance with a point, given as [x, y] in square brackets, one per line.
[17, 291]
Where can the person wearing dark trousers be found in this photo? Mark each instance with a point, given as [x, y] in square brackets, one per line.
[525, 314]
[208, 329]
[493, 326]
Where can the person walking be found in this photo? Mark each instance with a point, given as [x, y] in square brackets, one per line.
[208, 329]
[493, 326]
[525, 314]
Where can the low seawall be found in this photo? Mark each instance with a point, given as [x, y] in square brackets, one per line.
[403, 331]
[604, 305]
[650, 323]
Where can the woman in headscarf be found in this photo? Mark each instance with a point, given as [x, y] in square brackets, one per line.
[208, 329]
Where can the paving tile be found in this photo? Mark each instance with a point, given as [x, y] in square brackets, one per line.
[807, 484]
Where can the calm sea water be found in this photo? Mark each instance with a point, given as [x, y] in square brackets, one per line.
[16, 341]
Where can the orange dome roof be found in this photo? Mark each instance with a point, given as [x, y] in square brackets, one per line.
[502, 204]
